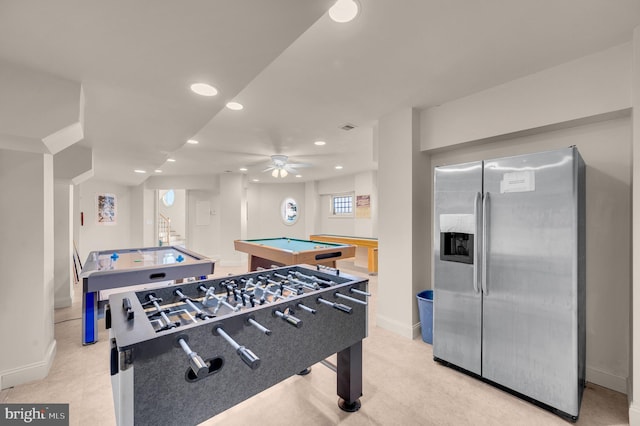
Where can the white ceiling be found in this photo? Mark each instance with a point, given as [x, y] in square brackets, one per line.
[299, 75]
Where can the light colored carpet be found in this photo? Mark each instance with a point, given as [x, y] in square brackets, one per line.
[402, 386]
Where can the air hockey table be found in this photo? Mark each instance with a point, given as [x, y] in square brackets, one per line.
[268, 252]
[111, 269]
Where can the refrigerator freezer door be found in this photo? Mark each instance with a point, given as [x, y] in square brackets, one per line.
[530, 314]
[457, 298]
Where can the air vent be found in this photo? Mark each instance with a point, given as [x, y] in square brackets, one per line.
[347, 127]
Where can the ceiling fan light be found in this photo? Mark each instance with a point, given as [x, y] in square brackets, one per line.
[274, 173]
[283, 173]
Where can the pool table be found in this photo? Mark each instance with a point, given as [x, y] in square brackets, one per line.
[112, 269]
[264, 253]
[371, 244]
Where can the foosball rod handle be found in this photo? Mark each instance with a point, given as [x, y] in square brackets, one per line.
[197, 364]
[339, 306]
[245, 354]
[290, 319]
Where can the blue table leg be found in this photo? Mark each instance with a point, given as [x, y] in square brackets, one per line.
[89, 318]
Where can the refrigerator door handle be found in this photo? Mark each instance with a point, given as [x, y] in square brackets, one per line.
[485, 241]
[475, 242]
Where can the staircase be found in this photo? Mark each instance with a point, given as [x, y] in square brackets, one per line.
[166, 235]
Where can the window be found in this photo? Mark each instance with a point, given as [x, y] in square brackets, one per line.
[169, 198]
[289, 211]
[342, 205]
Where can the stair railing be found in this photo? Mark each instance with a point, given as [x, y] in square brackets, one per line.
[164, 230]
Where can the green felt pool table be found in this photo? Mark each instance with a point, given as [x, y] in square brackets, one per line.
[283, 251]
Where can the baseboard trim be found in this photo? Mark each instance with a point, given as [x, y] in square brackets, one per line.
[607, 380]
[63, 302]
[634, 415]
[396, 327]
[30, 372]
[417, 330]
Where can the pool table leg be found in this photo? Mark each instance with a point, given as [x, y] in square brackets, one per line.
[256, 262]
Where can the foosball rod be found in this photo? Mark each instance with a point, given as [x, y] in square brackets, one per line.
[306, 308]
[197, 364]
[351, 299]
[311, 286]
[311, 277]
[288, 318]
[168, 323]
[259, 326]
[245, 354]
[210, 295]
[356, 291]
[199, 312]
[339, 306]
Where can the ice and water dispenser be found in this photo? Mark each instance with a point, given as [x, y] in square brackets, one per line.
[456, 247]
[456, 237]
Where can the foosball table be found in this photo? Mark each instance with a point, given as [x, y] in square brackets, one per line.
[182, 354]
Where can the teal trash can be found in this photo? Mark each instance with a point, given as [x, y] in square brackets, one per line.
[425, 308]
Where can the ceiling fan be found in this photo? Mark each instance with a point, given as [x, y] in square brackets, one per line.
[280, 167]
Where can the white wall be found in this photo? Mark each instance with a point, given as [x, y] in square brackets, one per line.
[359, 184]
[233, 199]
[606, 149]
[590, 86]
[634, 409]
[264, 202]
[94, 236]
[403, 241]
[27, 264]
[204, 239]
[143, 232]
[63, 246]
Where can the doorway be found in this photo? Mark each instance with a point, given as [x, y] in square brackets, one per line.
[171, 217]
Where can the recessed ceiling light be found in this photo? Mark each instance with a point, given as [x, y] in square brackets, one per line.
[158, 171]
[140, 171]
[320, 143]
[344, 10]
[255, 180]
[234, 106]
[298, 176]
[193, 142]
[243, 169]
[338, 167]
[204, 89]
[171, 160]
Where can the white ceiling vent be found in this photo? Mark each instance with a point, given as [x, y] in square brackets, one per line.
[347, 126]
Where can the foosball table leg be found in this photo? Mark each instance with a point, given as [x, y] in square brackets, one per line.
[350, 377]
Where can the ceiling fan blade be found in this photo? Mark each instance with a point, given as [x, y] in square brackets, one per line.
[299, 165]
[269, 168]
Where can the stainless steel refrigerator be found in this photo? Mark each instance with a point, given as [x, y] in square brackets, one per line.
[509, 274]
